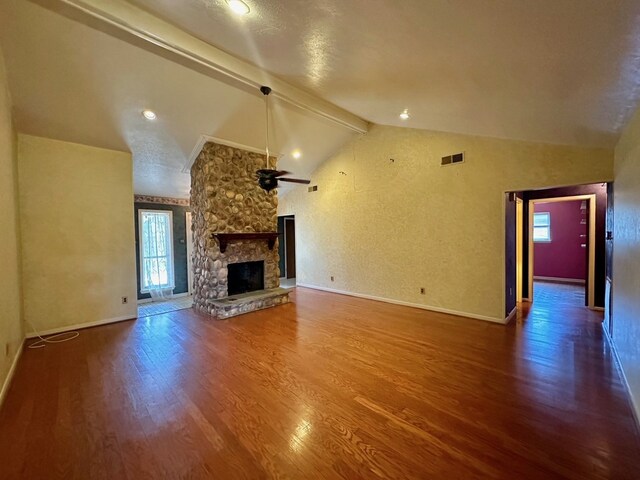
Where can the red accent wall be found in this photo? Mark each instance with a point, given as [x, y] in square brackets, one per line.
[563, 257]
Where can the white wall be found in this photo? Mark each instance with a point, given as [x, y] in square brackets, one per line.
[386, 229]
[626, 256]
[78, 248]
[11, 331]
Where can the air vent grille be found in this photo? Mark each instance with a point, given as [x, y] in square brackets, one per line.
[451, 159]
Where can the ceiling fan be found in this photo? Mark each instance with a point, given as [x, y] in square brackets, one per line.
[268, 177]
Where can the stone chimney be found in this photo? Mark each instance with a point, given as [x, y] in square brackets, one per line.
[226, 198]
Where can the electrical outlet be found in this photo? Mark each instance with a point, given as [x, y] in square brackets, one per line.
[422, 291]
[332, 278]
[125, 300]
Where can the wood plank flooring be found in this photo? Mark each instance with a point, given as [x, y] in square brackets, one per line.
[327, 387]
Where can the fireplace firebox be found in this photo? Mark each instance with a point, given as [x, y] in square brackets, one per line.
[245, 277]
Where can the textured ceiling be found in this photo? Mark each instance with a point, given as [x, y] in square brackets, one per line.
[75, 83]
[563, 71]
[557, 71]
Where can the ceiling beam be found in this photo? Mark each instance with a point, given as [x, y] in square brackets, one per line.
[133, 24]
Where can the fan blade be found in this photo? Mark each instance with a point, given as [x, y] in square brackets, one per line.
[294, 180]
[267, 172]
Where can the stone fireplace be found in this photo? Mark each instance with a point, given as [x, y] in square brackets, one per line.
[226, 201]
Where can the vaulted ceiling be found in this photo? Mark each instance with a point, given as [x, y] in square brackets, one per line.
[73, 82]
[555, 71]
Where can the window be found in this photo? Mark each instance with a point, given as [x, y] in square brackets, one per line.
[542, 227]
[156, 250]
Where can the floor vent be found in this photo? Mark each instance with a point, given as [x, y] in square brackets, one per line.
[451, 159]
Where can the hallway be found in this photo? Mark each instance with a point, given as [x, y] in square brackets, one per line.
[562, 327]
[550, 294]
[560, 306]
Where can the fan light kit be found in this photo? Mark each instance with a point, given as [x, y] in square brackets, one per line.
[404, 115]
[268, 177]
[149, 114]
[238, 7]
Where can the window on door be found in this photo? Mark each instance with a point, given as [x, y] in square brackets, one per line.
[542, 227]
[156, 250]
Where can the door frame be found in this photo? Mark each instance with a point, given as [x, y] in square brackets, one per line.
[189, 234]
[519, 247]
[168, 212]
[591, 237]
[608, 258]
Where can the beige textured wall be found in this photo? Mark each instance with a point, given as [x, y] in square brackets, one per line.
[11, 332]
[76, 213]
[386, 228]
[626, 256]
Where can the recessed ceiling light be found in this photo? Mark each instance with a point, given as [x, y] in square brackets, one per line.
[296, 154]
[238, 6]
[149, 114]
[404, 115]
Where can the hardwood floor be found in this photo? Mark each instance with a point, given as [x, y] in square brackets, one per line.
[329, 387]
[557, 295]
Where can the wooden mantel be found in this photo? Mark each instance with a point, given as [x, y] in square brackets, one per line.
[225, 238]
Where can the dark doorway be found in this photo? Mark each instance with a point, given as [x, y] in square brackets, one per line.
[287, 250]
[245, 277]
[592, 243]
[290, 246]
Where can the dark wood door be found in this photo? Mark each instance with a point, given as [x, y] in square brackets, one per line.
[608, 259]
[586, 214]
[290, 246]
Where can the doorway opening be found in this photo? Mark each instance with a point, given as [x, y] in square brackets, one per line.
[555, 247]
[562, 249]
[164, 246]
[287, 250]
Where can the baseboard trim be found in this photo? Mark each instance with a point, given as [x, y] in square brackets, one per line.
[80, 326]
[12, 371]
[635, 406]
[511, 315]
[421, 306]
[560, 280]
